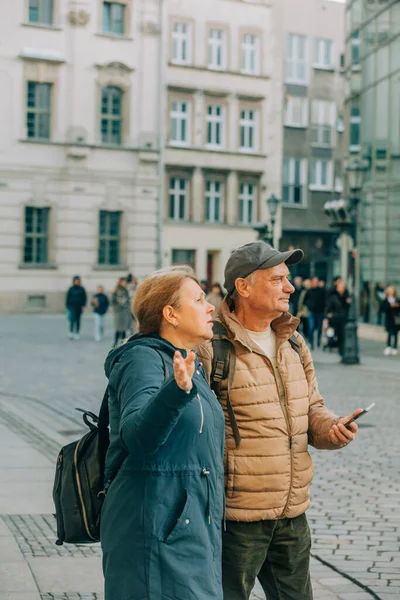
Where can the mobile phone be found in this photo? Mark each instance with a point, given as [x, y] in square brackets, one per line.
[364, 412]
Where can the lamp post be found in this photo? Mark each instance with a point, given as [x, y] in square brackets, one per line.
[266, 232]
[355, 173]
[342, 217]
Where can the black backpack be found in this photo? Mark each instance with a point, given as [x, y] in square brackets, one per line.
[79, 487]
[223, 368]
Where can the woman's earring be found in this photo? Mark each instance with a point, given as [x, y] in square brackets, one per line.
[175, 325]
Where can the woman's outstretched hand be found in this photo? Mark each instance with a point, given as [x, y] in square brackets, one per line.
[184, 370]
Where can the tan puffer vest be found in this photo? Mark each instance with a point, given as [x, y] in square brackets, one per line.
[268, 475]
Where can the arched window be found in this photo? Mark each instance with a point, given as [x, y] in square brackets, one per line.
[111, 115]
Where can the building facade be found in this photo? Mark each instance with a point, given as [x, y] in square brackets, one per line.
[223, 134]
[79, 160]
[373, 123]
[312, 107]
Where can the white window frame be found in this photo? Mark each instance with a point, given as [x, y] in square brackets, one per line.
[318, 184]
[178, 117]
[354, 120]
[212, 196]
[213, 122]
[177, 192]
[216, 49]
[293, 63]
[248, 126]
[323, 120]
[320, 53]
[292, 184]
[248, 199]
[291, 110]
[250, 54]
[181, 43]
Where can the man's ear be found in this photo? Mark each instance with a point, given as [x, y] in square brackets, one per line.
[242, 288]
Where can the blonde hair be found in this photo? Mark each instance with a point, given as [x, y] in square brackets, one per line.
[389, 288]
[161, 288]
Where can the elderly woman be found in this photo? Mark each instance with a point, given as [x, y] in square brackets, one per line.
[161, 519]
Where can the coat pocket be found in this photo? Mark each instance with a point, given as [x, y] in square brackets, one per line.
[177, 521]
[230, 474]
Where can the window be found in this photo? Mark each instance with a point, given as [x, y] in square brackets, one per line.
[36, 239]
[355, 50]
[111, 115]
[109, 237]
[247, 203]
[250, 54]
[178, 199]
[321, 174]
[296, 111]
[294, 181]
[184, 257]
[296, 59]
[323, 54]
[355, 123]
[181, 44]
[214, 201]
[215, 126]
[216, 49]
[248, 130]
[41, 12]
[323, 123]
[180, 129]
[114, 18]
[38, 114]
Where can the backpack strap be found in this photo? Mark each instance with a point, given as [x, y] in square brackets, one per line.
[223, 368]
[294, 342]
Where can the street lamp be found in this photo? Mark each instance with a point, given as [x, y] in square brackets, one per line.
[342, 217]
[266, 233]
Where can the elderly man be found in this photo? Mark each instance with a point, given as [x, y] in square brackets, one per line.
[273, 410]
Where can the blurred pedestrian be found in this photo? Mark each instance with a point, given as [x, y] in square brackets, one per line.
[315, 300]
[75, 303]
[337, 311]
[162, 517]
[204, 286]
[294, 298]
[121, 305]
[215, 297]
[131, 284]
[100, 305]
[302, 309]
[379, 298]
[391, 310]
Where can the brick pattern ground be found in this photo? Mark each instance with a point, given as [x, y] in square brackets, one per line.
[36, 536]
[354, 512]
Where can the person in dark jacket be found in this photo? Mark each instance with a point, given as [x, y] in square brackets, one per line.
[100, 305]
[121, 304]
[315, 300]
[337, 310]
[75, 303]
[162, 517]
[391, 310]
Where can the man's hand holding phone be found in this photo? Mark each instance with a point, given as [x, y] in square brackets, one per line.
[340, 435]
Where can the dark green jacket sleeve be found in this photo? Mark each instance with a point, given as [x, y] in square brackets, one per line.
[150, 406]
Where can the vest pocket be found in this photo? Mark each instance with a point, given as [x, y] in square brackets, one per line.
[230, 468]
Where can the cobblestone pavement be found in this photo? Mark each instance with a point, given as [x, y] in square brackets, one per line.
[355, 495]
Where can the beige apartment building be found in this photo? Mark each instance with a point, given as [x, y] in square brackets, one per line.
[135, 134]
[80, 125]
[223, 128]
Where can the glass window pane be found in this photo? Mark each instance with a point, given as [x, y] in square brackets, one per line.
[171, 206]
[114, 252]
[181, 206]
[47, 16]
[44, 126]
[107, 17]
[102, 222]
[102, 252]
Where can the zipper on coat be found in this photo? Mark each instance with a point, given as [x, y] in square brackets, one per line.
[201, 413]
[290, 445]
[78, 484]
[206, 473]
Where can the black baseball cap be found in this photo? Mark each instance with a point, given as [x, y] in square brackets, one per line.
[254, 256]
